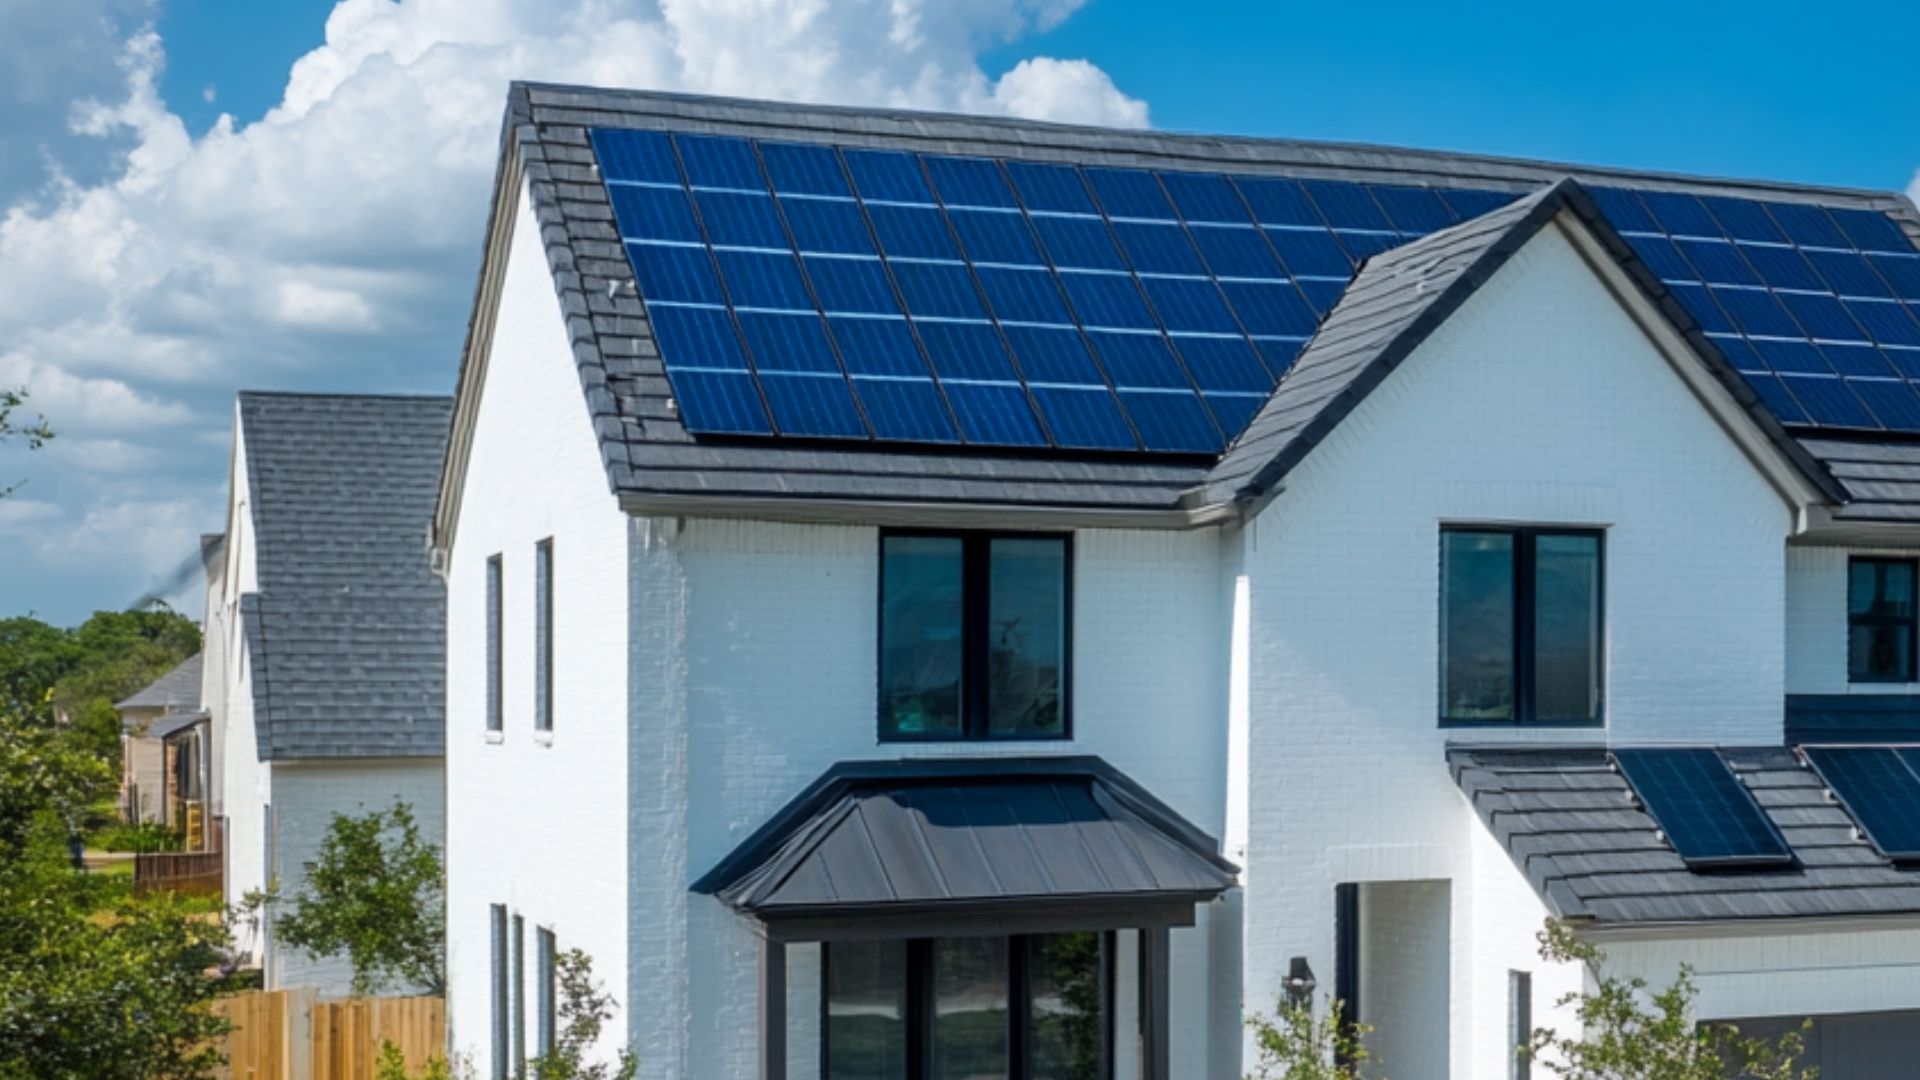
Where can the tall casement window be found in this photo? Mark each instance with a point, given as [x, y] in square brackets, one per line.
[519, 980]
[1033, 1007]
[546, 977]
[1880, 620]
[495, 642]
[1520, 626]
[501, 1049]
[543, 635]
[974, 636]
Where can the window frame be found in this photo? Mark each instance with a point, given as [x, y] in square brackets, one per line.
[496, 645]
[501, 1038]
[919, 1004]
[1524, 589]
[1911, 621]
[517, 978]
[546, 952]
[543, 636]
[976, 603]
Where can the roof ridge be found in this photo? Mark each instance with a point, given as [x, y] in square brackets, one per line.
[329, 395]
[1436, 158]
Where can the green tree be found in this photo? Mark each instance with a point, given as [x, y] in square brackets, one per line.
[79, 674]
[94, 983]
[582, 1010]
[1297, 1045]
[376, 893]
[1630, 1033]
[36, 434]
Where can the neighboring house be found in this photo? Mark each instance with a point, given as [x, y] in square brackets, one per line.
[165, 771]
[934, 596]
[329, 627]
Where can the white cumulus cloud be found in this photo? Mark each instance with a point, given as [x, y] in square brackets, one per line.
[331, 243]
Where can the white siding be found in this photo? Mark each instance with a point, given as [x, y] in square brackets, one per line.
[537, 824]
[306, 796]
[1540, 401]
[1859, 968]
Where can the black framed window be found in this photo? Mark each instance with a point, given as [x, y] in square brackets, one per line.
[495, 635]
[497, 914]
[547, 977]
[1880, 619]
[975, 635]
[543, 635]
[1520, 626]
[1031, 1007]
[518, 978]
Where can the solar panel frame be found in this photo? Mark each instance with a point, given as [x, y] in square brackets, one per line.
[1862, 780]
[1666, 780]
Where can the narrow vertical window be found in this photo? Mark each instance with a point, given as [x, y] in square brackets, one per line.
[498, 916]
[1880, 620]
[543, 635]
[543, 1032]
[1520, 626]
[1519, 1025]
[495, 710]
[519, 992]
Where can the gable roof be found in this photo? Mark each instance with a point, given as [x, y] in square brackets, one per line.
[654, 465]
[1572, 827]
[178, 689]
[347, 632]
[1400, 297]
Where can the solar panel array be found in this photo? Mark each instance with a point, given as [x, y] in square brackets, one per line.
[1707, 814]
[1880, 789]
[821, 292]
[1818, 307]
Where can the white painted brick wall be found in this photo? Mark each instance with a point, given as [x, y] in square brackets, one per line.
[538, 824]
[306, 796]
[1539, 401]
[243, 778]
[1406, 930]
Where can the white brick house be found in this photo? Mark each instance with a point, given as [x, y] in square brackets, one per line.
[775, 709]
[324, 641]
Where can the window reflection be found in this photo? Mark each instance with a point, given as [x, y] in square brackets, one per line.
[1566, 621]
[866, 1019]
[1068, 998]
[920, 650]
[1476, 627]
[1027, 636]
[969, 1009]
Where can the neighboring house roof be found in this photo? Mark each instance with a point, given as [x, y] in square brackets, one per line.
[1572, 826]
[177, 689]
[1399, 298]
[870, 839]
[175, 723]
[654, 465]
[347, 632]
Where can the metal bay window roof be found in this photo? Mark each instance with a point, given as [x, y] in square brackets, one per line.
[1002, 838]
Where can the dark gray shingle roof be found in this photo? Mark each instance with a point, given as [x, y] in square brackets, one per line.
[177, 689]
[175, 723]
[873, 836]
[1399, 298]
[348, 630]
[1571, 826]
[1881, 477]
[649, 456]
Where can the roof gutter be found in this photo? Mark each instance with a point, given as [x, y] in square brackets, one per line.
[924, 514]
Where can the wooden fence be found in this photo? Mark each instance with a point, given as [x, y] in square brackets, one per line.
[194, 872]
[292, 1035]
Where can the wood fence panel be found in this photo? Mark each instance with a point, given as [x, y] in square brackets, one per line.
[290, 1035]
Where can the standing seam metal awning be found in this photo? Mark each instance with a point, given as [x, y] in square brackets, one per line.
[1026, 844]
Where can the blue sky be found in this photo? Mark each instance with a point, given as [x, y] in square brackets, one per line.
[199, 196]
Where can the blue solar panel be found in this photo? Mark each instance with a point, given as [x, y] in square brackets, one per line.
[806, 290]
[1707, 814]
[1879, 790]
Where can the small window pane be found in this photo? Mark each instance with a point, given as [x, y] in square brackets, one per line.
[1566, 628]
[1476, 625]
[969, 1037]
[543, 1044]
[495, 710]
[1880, 618]
[866, 1011]
[920, 628]
[1027, 637]
[1067, 1007]
[543, 636]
